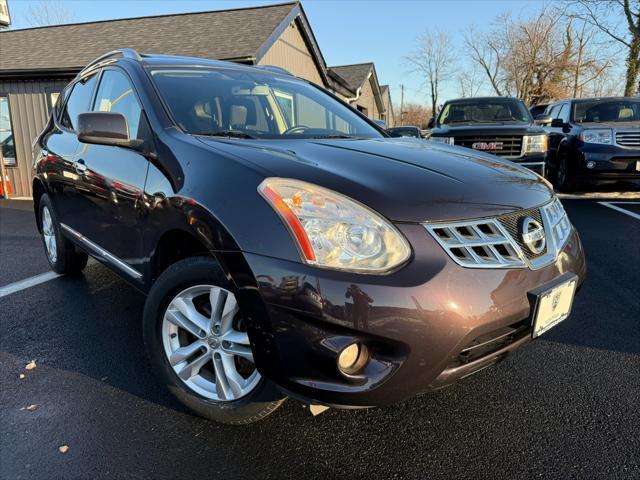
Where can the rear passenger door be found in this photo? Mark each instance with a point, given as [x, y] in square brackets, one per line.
[113, 179]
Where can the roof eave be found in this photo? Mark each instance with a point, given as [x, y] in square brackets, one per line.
[46, 72]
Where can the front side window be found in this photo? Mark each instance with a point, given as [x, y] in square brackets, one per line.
[607, 110]
[78, 102]
[7, 142]
[249, 104]
[115, 94]
[484, 111]
[563, 114]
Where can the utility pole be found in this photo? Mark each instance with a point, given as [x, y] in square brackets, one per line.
[401, 105]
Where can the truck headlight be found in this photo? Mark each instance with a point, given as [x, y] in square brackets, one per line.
[447, 140]
[602, 136]
[334, 231]
[535, 143]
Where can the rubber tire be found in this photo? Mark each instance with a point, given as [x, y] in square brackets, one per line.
[568, 184]
[262, 401]
[69, 260]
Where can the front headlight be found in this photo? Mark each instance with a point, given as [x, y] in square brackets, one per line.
[447, 140]
[333, 231]
[535, 143]
[601, 136]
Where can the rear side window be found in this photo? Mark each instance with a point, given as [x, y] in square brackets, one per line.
[79, 101]
[116, 95]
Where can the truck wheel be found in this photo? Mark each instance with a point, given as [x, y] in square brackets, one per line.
[565, 180]
[64, 258]
[197, 342]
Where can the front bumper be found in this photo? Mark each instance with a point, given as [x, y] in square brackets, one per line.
[418, 322]
[536, 162]
[607, 162]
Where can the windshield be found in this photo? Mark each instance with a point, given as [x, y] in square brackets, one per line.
[404, 132]
[597, 111]
[247, 104]
[484, 111]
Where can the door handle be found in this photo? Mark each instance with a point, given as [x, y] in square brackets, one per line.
[80, 167]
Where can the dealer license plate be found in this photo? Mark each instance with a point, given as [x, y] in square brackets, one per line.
[553, 305]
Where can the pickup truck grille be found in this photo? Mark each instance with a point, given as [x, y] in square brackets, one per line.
[629, 138]
[503, 146]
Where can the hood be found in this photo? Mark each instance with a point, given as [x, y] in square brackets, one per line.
[486, 129]
[613, 125]
[404, 180]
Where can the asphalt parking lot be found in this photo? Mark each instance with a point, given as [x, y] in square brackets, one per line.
[565, 406]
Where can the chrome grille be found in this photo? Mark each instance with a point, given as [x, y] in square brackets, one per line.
[558, 222]
[479, 244]
[497, 242]
[511, 146]
[629, 138]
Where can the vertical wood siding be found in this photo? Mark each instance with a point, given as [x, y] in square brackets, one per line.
[29, 113]
[367, 99]
[291, 53]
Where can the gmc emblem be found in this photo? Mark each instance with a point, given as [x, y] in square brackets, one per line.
[487, 145]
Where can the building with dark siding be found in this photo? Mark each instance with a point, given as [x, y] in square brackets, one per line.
[36, 63]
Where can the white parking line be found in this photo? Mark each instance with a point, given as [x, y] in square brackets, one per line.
[621, 210]
[27, 283]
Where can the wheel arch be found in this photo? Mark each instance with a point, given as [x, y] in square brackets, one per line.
[38, 189]
[174, 245]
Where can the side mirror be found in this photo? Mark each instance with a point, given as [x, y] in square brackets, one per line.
[431, 123]
[105, 128]
[543, 119]
[557, 123]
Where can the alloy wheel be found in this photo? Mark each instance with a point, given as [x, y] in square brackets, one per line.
[207, 345]
[49, 235]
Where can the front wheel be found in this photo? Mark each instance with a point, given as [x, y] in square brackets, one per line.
[197, 342]
[64, 258]
[565, 179]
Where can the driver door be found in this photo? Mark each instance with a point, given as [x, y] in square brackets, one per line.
[113, 179]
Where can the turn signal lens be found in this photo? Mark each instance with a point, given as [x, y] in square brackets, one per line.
[535, 143]
[333, 231]
[447, 140]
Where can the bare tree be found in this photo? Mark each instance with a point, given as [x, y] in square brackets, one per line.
[49, 12]
[470, 81]
[487, 51]
[537, 59]
[603, 14]
[586, 68]
[433, 58]
[416, 114]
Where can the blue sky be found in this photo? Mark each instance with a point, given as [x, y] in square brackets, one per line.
[348, 31]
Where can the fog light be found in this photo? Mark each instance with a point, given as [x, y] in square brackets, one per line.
[353, 358]
[591, 164]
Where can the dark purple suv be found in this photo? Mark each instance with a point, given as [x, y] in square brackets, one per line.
[287, 245]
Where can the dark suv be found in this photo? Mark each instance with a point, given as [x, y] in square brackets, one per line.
[593, 139]
[499, 125]
[286, 245]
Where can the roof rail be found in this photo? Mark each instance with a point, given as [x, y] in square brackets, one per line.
[122, 52]
[273, 68]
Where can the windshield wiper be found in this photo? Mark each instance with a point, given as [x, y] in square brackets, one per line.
[334, 135]
[228, 133]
